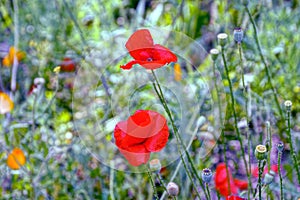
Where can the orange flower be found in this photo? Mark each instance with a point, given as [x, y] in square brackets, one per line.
[6, 104]
[177, 72]
[8, 60]
[16, 159]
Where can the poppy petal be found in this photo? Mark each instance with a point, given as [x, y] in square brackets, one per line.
[221, 181]
[158, 141]
[136, 156]
[123, 140]
[129, 65]
[16, 159]
[131, 128]
[233, 197]
[242, 185]
[6, 104]
[164, 54]
[139, 40]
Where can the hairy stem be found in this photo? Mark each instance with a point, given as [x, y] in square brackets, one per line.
[234, 113]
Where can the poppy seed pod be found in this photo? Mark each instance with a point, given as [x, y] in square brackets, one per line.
[222, 39]
[288, 105]
[155, 165]
[280, 146]
[214, 54]
[260, 152]
[172, 189]
[238, 34]
[206, 175]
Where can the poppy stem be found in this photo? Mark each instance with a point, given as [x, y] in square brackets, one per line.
[235, 115]
[269, 142]
[260, 171]
[264, 61]
[293, 154]
[152, 184]
[162, 182]
[208, 191]
[280, 175]
[222, 124]
[179, 140]
[246, 110]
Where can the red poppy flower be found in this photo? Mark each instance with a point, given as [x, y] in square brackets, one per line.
[233, 197]
[144, 132]
[68, 65]
[142, 48]
[274, 168]
[222, 183]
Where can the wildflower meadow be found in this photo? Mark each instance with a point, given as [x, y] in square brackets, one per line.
[150, 99]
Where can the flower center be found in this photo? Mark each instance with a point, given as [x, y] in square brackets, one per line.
[149, 59]
[141, 118]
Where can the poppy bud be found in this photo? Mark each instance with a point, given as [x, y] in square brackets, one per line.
[269, 177]
[206, 175]
[288, 105]
[222, 39]
[172, 189]
[155, 165]
[88, 20]
[39, 81]
[238, 34]
[214, 54]
[260, 152]
[280, 146]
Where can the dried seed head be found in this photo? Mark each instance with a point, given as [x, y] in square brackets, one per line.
[206, 175]
[238, 34]
[172, 189]
[260, 152]
[280, 146]
[222, 39]
[214, 54]
[155, 165]
[288, 105]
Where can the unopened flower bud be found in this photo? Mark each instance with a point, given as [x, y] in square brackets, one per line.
[214, 54]
[288, 105]
[222, 39]
[280, 146]
[260, 152]
[269, 177]
[155, 165]
[39, 81]
[238, 34]
[206, 175]
[172, 189]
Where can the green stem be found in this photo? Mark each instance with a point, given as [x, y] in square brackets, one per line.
[235, 115]
[242, 68]
[178, 139]
[269, 136]
[279, 173]
[152, 183]
[267, 70]
[246, 109]
[222, 128]
[208, 191]
[293, 154]
[260, 171]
